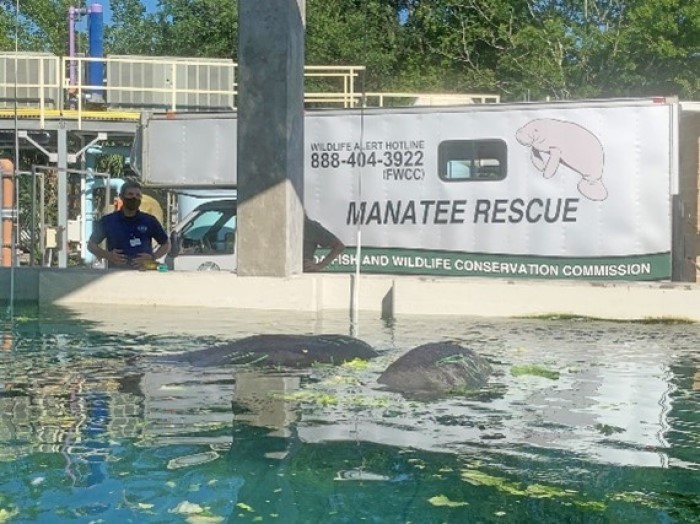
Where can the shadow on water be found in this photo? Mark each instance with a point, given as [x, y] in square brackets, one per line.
[581, 422]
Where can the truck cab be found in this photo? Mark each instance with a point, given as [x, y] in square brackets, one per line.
[205, 239]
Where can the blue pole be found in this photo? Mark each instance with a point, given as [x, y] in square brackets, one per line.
[95, 69]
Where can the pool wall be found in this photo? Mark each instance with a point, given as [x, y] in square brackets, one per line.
[386, 295]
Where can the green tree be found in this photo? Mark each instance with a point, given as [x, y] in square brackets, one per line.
[555, 48]
[518, 48]
[513, 48]
[132, 30]
[43, 25]
[197, 28]
[357, 32]
[658, 51]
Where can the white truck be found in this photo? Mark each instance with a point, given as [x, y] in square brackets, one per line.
[593, 190]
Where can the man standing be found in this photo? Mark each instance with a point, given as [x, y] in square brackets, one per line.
[315, 236]
[129, 233]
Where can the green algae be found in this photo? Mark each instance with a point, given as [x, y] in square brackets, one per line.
[445, 502]
[520, 370]
[586, 318]
[536, 491]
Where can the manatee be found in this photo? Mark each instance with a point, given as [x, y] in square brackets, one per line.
[293, 351]
[434, 369]
[570, 144]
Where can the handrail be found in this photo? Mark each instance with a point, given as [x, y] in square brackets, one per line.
[43, 86]
[70, 102]
[440, 98]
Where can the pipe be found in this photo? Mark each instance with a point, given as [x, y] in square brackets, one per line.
[95, 69]
[42, 219]
[72, 15]
[32, 237]
[8, 193]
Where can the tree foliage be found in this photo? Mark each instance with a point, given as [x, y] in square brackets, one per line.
[356, 32]
[43, 25]
[520, 49]
[132, 31]
[558, 48]
[197, 28]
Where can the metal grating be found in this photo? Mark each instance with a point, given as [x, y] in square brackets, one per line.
[138, 82]
[30, 86]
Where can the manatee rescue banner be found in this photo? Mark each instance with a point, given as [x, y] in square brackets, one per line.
[565, 191]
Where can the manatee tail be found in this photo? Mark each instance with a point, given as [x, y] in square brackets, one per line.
[593, 189]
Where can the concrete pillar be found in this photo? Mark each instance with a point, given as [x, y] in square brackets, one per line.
[270, 137]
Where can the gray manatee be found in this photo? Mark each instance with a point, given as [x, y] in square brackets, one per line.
[292, 351]
[434, 369]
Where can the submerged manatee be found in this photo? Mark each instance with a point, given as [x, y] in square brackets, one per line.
[294, 351]
[434, 369]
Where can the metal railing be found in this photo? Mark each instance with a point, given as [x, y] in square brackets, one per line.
[137, 83]
[429, 99]
[25, 95]
[346, 96]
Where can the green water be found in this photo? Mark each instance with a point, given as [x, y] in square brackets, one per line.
[581, 422]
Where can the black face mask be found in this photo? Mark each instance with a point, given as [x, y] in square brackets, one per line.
[132, 204]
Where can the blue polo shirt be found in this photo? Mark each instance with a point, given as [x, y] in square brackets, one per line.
[132, 235]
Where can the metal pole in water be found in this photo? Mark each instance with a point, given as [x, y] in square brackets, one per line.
[32, 241]
[355, 310]
[11, 306]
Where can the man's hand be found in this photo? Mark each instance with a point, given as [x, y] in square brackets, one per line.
[116, 257]
[311, 267]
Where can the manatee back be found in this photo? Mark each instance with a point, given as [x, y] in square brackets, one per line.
[436, 368]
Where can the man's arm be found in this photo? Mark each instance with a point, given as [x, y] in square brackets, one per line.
[317, 235]
[114, 257]
[96, 250]
[336, 249]
[162, 250]
[161, 237]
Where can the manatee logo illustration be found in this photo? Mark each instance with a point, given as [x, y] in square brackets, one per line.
[555, 142]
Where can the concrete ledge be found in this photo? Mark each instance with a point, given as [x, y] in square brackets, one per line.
[208, 289]
[503, 298]
[24, 282]
[383, 295]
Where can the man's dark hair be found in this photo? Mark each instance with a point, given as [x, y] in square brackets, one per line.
[129, 184]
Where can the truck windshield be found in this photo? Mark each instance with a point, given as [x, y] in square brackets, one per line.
[210, 232]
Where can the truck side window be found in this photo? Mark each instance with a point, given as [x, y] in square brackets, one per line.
[472, 160]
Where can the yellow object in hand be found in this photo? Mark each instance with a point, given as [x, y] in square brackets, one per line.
[150, 264]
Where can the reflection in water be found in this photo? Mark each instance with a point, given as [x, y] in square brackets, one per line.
[604, 425]
[259, 400]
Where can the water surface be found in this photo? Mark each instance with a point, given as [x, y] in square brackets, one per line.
[581, 422]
